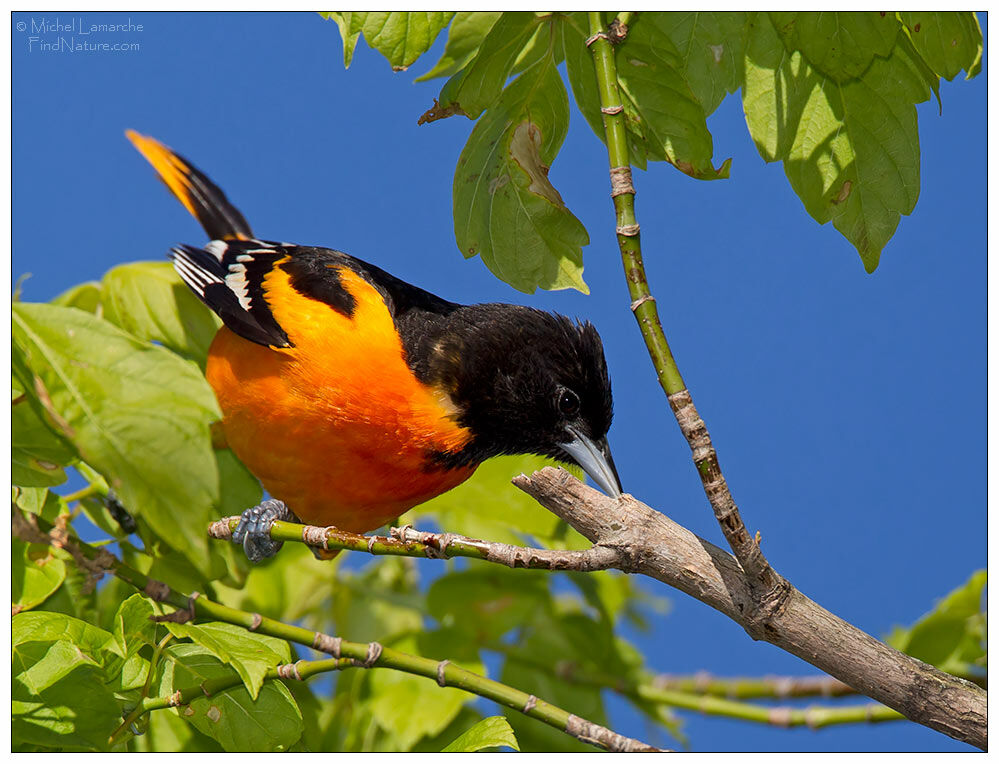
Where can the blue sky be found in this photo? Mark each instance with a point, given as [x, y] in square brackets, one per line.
[848, 409]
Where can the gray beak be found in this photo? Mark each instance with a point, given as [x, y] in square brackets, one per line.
[595, 458]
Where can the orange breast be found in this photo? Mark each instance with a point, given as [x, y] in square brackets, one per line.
[337, 426]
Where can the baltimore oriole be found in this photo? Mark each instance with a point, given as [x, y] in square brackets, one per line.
[353, 396]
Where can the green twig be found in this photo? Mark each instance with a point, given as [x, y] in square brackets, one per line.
[407, 542]
[624, 18]
[748, 687]
[138, 711]
[30, 527]
[768, 586]
[97, 484]
[643, 304]
[300, 670]
[814, 717]
[83, 493]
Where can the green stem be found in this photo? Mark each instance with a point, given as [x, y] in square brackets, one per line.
[31, 527]
[755, 687]
[97, 482]
[780, 716]
[768, 587]
[83, 493]
[628, 238]
[301, 670]
[138, 711]
[412, 543]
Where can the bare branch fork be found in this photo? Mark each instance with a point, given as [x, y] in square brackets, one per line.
[651, 544]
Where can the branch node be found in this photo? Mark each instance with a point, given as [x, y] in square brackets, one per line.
[220, 530]
[157, 590]
[257, 620]
[289, 671]
[176, 700]
[612, 109]
[598, 36]
[182, 615]
[618, 32]
[780, 716]
[621, 181]
[315, 536]
[440, 673]
[594, 734]
[401, 533]
[371, 544]
[532, 701]
[374, 652]
[327, 644]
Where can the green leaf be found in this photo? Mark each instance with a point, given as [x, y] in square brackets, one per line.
[379, 603]
[477, 86]
[135, 412]
[711, 47]
[535, 736]
[492, 732]
[488, 506]
[505, 208]
[551, 645]
[44, 626]
[952, 635]
[35, 574]
[949, 41]
[840, 45]
[659, 104]
[30, 499]
[400, 36]
[614, 595]
[293, 583]
[251, 655]
[412, 707]
[342, 19]
[149, 301]
[169, 733]
[271, 722]
[58, 697]
[238, 490]
[133, 626]
[468, 30]
[850, 151]
[488, 602]
[583, 79]
[85, 296]
[666, 95]
[38, 454]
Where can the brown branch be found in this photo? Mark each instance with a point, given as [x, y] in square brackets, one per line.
[651, 544]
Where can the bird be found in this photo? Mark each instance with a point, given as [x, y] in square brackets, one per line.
[353, 396]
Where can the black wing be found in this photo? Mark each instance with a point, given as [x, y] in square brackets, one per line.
[228, 277]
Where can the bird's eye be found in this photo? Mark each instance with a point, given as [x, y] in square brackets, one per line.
[568, 403]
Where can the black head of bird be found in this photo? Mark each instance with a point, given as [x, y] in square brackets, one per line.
[527, 381]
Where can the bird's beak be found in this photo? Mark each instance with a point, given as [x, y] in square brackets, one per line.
[594, 457]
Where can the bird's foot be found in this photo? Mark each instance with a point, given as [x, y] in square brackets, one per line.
[254, 529]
